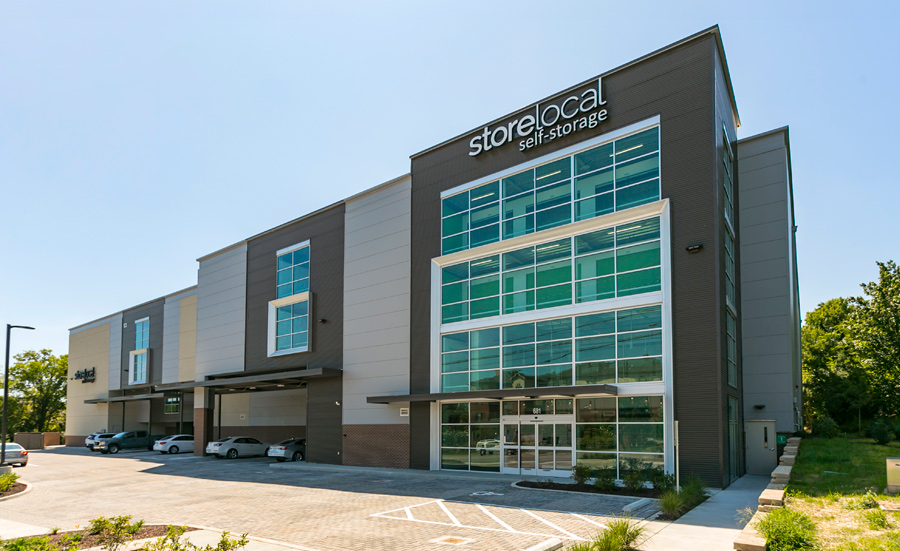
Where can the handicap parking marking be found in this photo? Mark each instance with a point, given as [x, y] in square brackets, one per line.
[427, 511]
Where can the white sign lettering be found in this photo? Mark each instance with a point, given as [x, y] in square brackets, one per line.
[547, 123]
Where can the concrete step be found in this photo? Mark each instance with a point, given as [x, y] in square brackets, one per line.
[749, 539]
[767, 508]
[791, 450]
[772, 497]
[788, 460]
[794, 441]
[776, 486]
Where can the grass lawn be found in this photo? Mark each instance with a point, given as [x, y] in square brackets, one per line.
[829, 483]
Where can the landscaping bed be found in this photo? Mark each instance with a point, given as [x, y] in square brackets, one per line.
[589, 489]
[85, 539]
[16, 488]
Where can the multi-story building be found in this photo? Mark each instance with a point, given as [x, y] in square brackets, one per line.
[560, 285]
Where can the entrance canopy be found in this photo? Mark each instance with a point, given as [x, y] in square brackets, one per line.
[127, 398]
[262, 382]
[563, 391]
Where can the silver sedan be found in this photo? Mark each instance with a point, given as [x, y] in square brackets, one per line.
[292, 448]
[236, 446]
[16, 455]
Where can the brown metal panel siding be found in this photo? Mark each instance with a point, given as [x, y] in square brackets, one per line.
[678, 86]
[325, 232]
[725, 128]
[324, 421]
[155, 310]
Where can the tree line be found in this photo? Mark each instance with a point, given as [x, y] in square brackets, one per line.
[37, 393]
[851, 355]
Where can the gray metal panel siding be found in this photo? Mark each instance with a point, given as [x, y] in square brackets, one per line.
[769, 344]
[155, 310]
[221, 312]
[324, 436]
[376, 316]
[115, 353]
[677, 85]
[325, 232]
[171, 334]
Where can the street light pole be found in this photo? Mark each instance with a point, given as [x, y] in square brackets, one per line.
[9, 329]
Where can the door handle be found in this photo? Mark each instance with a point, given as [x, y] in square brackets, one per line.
[771, 449]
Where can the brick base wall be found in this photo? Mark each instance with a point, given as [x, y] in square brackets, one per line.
[75, 440]
[377, 446]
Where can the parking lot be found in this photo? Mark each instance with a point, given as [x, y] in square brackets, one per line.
[309, 506]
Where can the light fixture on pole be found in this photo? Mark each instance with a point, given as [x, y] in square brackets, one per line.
[9, 329]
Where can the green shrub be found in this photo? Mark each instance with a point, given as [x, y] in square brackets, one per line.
[605, 480]
[787, 530]
[28, 544]
[581, 473]
[865, 501]
[172, 542]
[114, 532]
[7, 480]
[662, 481]
[634, 481]
[877, 519]
[882, 431]
[694, 491]
[673, 504]
[825, 428]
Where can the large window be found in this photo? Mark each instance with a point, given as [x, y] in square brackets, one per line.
[729, 268]
[610, 177]
[728, 182]
[620, 434]
[292, 327]
[619, 261]
[293, 272]
[139, 358]
[172, 405]
[609, 347]
[470, 436]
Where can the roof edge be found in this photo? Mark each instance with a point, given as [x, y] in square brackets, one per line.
[714, 30]
[114, 314]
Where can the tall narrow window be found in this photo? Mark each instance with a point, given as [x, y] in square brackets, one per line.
[729, 268]
[289, 312]
[728, 181]
[731, 349]
[138, 361]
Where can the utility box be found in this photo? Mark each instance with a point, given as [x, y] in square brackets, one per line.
[893, 475]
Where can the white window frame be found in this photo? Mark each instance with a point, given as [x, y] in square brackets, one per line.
[131, 362]
[176, 403]
[138, 322]
[274, 305]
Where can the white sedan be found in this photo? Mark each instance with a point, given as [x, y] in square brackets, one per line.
[236, 446]
[175, 444]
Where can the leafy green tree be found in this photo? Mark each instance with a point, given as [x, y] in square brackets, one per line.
[38, 385]
[834, 381]
[874, 329]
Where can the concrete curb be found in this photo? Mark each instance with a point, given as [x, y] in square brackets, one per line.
[640, 500]
[23, 492]
[548, 545]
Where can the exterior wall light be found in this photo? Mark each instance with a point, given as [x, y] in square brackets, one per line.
[696, 248]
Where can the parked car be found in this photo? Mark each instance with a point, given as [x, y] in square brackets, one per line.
[488, 446]
[292, 448]
[236, 446]
[91, 441]
[175, 444]
[129, 440]
[16, 455]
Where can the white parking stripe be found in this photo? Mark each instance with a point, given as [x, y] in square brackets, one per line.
[449, 514]
[409, 514]
[550, 524]
[495, 517]
[588, 520]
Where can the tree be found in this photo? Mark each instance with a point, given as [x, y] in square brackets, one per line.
[38, 384]
[874, 328]
[834, 382]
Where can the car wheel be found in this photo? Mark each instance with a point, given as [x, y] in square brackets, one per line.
[280, 459]
[480, 452]
[297, 456]
[173, 449]
[232, 454]
[113, 448]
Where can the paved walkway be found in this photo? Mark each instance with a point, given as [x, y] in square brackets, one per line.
[711, 526]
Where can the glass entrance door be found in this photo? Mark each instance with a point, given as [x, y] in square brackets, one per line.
[538, 447]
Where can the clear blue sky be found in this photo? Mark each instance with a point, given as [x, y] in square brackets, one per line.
[137, 136]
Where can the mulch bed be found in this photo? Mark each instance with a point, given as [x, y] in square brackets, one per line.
[88, 540]
[16, 488]
[588, 489]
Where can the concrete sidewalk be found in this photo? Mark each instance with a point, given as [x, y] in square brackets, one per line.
[711, 526]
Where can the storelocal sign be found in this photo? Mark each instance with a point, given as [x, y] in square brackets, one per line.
[547, 123]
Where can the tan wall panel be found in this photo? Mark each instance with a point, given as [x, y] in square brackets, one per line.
[187, 342]
[87, 349]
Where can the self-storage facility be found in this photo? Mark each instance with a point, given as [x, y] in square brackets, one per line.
[606, 276]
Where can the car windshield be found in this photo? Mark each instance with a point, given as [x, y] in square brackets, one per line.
[11, 446]
[119, 435]
[286, 442]
[220, 441]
